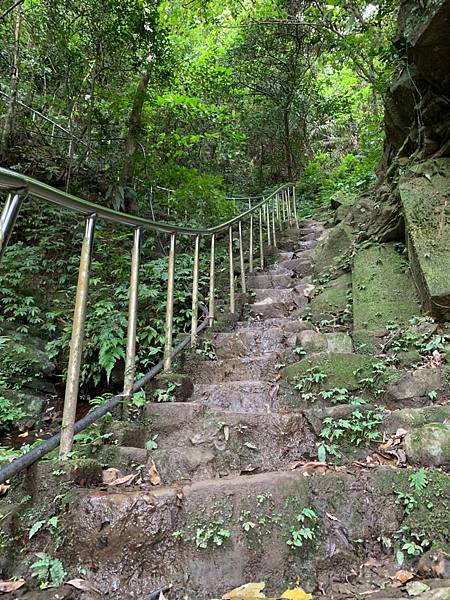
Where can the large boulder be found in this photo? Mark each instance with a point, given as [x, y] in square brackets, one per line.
[425, 192]
[429, 445]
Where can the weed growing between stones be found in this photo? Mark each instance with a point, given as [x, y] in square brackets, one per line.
[357, 429]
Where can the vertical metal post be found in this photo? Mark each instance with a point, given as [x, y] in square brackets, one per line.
[8, 218]
[274, 233]
[130, 358]
[261, 240]
[76, 342]
[289, 210]
[294, 200]
[283, 207]
[232, 305]
[195, 292]
[267, 212]
[241, 255]
[250, 247]
[169, 305]
[278, 210]
[211, 281]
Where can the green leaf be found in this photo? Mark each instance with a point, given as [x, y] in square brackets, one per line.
[35, 528]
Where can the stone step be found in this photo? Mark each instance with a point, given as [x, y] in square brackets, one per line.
[210, 536]
[240, 396]
[252, 341]
[278, 302]
[300, 266]
[234, 369]
[197, 442]
[271, 280]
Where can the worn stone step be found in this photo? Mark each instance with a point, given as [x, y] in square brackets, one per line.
[196, 442]
[234, 369]
[271, 280]
[301, 266]
[278, 302]
[210, 536]
[251, 341]
[240, 396]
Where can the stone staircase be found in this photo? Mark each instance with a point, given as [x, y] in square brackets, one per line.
[240, 494]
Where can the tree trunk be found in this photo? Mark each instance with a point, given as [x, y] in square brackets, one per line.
[131, 140]
[287, 145]
[10, 114]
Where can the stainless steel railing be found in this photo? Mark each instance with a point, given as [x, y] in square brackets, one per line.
[266, 215]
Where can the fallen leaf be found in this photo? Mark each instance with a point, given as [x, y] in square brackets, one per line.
[155, 479]
[308, 290]
[84, 586]
[297, 594]
[278, 377]
[226, 433]
[110, 475]
[246, 592]
[122, 480]
[415, 588]
[403, 576]
[332, 518]
[4, 487]
[23, 435]
[307, 465]
[161, 596]
[11, 586]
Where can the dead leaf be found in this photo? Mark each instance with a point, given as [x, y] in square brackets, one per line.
[298, 463]
[161, 596]
[297, 594]
[122, 480]
[84, 586]
[308, 290]
[403, 576]
[23, 435]
[226, 433]
[333, 518]
[4, 487]
[278, 377]
[155, 479]
[110, 475]
[11, 586]
[249, 591]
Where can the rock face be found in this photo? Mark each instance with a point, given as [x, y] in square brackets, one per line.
[429, 445]
[425, 196]
[383, 289]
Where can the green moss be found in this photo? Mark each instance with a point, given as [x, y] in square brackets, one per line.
[333, 299]
[341, 370]
[334, 246]
[410, 418]
[429, 444]
[383, 289]
[428, 520]
[424, 198]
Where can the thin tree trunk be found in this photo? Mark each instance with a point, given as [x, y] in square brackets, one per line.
[287, 145]
[10, 114]
[132, 138]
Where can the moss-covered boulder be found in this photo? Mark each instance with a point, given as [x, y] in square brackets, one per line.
[409, 418]
[429, 445]
[332, 300]
[330, 251]
[425, 192]
[383, 289]
[339, 370]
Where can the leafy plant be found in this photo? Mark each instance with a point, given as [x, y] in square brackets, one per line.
[166, 394]
[48, 571]
[359, 428]
[212, 533]
[207, 350]
[305, 530]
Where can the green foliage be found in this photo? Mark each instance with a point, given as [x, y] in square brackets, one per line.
[9, 413]
[48, 571]
[359, 428]
[212, 533]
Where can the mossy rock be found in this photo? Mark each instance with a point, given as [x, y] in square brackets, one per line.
[429, 445]
[424, 192]
[328, 252]
[409, 418]
[332, 300]
[383, 289]
[339, 369]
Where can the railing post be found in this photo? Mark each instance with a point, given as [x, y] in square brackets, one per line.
[278, 209]
[8, 218]
[294, 200]
[241, 256]
[267, 212]
[288, 196]
[283, 207]
[130, 358]
[195, 292]
[76, 343]
[274, 233]
[230, 248]
[261, 240]
[169, 305]
[250, 246]
[211, 281]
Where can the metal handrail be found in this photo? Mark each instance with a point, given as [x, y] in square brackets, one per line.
[273, 210]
